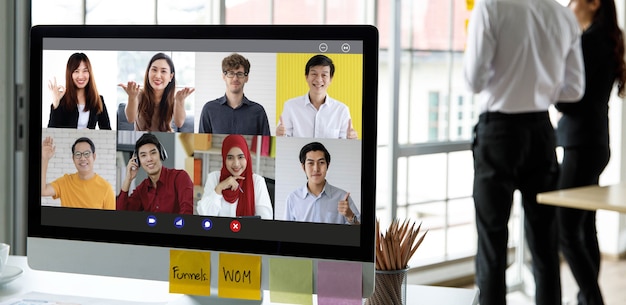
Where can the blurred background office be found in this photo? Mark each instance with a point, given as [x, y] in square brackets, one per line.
[425, 113]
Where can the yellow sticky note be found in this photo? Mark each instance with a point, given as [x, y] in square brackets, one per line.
[291, 281]
[470, 4]
[239, 276]
[190, 272]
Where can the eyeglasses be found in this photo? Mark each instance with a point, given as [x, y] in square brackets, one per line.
[79, 154]
[231, 74]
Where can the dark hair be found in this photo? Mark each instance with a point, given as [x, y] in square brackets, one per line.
[233, 61]
[146, 107]
[84, 140]
[607, 16]
[148, 138]
[314, 146]
[319, 60]
[70, 98]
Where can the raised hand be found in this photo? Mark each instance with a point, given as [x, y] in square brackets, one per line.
[57, 91]
[343, 207]
[351, 133]
[230, 183]
[280, 129]
[47, 148]
[182, 94]
[132, 168]
[131, 88]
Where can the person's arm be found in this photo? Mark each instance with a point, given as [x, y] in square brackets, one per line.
[205, 120]
[184, 191]
[104, 123]
[479, 50]
[573, 86]
[124, 202]
[109, 200]
[348, 210]
[262, 202]
[211, 202]
[133, 91]
[47, 152]
[265, 129]
[179, 105]
[288, 206]
[57, 92]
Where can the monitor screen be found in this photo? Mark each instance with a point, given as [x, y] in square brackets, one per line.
[246, 139]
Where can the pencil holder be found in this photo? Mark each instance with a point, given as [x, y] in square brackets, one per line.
[389, 288]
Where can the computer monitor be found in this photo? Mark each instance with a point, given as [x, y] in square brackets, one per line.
[130, 233]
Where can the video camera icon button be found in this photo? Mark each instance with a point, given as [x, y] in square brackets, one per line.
[151, 220]
[323, 47]
[235, 226]
[207, 224]
[179, 222]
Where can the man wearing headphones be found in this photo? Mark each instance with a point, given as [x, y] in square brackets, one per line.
[165, 190]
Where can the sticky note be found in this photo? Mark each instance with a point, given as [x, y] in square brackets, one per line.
[291, 281]
[239, 276]
[470, 4]
[190, 272]
[339, 283]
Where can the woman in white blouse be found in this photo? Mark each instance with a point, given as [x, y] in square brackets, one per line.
[235, 190]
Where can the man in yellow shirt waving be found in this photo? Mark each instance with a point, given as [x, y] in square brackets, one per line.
[83, 189]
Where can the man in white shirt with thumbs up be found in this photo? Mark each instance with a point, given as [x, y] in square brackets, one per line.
[318, 200]
[316, 115]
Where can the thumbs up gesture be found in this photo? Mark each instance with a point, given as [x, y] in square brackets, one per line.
[351, 133]
[280, 129]
[343, 207]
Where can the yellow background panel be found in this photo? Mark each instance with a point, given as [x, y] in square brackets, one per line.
[346, 85]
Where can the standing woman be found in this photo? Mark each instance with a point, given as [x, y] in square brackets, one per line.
[79, 105]
[583, 131]
[152, 108]
[235, 190]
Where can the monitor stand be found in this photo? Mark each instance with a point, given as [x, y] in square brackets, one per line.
[215, 300]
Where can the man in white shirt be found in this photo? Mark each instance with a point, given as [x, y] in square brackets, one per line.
[521, 56]
[316, 115]
[318, 200]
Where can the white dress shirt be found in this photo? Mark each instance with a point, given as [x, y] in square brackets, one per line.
[301, 119]
[523, 55]
[213, 204]
[301, 205]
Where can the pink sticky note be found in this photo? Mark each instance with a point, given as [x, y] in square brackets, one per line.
[339, 283]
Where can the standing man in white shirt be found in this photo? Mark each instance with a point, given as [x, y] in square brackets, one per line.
[521, 56]
[316, 115]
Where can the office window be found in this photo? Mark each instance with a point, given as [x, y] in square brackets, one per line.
[120, 12]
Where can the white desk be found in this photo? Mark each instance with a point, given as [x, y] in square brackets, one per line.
[157, 292]
[611, 197]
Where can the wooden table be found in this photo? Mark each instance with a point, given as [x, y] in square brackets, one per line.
[610, 197]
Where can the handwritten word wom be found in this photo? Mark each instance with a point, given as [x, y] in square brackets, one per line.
[237, 276]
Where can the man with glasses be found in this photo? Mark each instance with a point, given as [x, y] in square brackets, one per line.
[233, 113]
[83, 189]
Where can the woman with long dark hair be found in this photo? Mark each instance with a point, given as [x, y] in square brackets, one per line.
[153, 107]
[77, 104]
[583, 131]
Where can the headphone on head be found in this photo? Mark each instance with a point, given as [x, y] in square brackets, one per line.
[148, 138]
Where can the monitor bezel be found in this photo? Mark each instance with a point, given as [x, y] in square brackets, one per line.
[368, 34]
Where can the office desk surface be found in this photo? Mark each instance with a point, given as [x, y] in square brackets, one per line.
[156, 292]
[611, 197]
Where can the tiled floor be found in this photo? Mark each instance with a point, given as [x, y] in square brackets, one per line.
[612, 283]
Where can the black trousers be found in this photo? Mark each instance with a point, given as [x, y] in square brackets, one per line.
[515, 152]
[582, 165]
